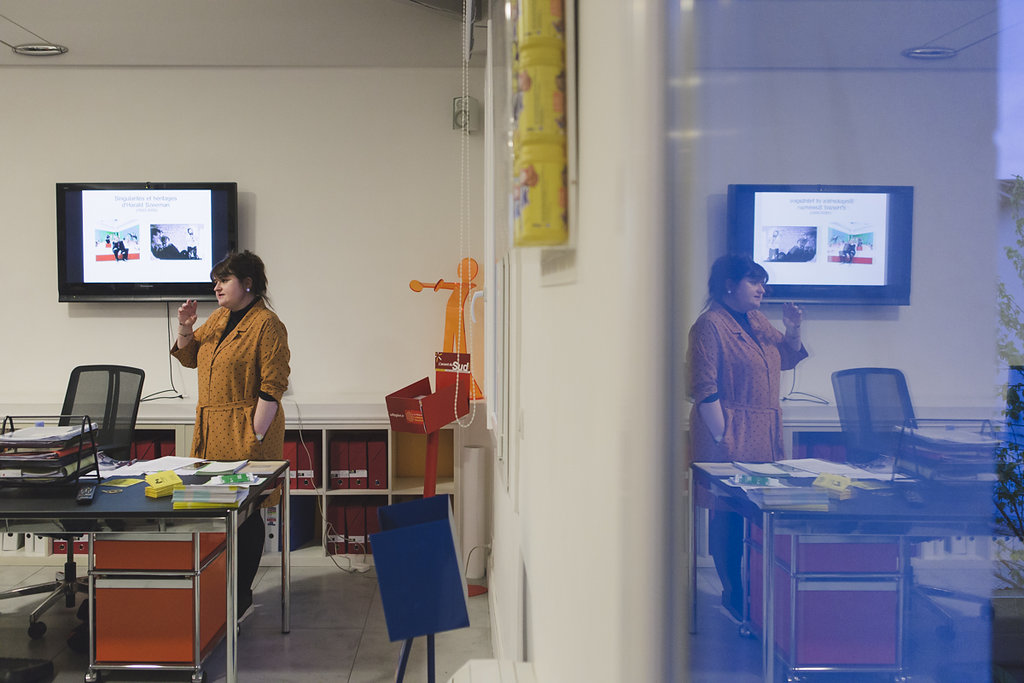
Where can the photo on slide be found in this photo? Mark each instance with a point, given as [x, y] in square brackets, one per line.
[121, 245]
[851, 247]
[175, 241]
[790, 243]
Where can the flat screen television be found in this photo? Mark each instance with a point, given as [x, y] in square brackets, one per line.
[142, 241]
[826, 243]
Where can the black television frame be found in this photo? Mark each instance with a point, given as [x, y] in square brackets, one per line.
[899, 239]
[71, 286]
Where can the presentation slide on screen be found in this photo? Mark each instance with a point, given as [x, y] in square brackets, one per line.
[820, 238]
[146, 235]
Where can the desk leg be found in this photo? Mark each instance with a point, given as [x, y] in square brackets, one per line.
[286, 556]
[903, 588]
[768, 598]
[232, 620]
[692, 544]
[197, 604]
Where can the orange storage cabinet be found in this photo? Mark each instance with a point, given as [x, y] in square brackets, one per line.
[150, 619]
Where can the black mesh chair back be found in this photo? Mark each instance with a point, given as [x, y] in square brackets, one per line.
[872, 404]
[110, 396]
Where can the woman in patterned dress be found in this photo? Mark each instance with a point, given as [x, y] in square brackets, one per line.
[242, 357]
[735, 358]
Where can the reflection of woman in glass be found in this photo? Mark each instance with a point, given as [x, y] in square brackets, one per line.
[736, 357]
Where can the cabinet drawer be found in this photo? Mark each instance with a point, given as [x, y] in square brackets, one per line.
[151, 551]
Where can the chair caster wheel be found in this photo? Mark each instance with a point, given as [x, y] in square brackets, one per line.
[746, 631]
[199, 677]
[92, 677]
[36, 630]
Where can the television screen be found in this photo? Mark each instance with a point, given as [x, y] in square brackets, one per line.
[142, 241]
[826, 243]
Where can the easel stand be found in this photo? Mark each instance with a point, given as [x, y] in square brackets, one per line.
[429, 490]
[404, 659]
[419, 568]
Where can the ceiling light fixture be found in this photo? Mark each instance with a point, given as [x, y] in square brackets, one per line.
[43, 48]
[39, 49]
[934, 52]
[930, 52]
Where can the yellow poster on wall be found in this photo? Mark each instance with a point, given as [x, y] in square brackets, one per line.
[540, 165]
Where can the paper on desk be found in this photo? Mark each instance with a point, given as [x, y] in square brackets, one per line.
[718, 469]
[262, 466]
[766, 469]
[816, 466]
[235, 479]
[958, 437]
[222, 467]
[763, 484]
[773, 469]
[53, 433]
[144, 467]
[122, 482]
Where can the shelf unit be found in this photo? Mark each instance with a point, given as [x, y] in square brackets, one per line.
[403, 481]
[315, 428]
[166, 428]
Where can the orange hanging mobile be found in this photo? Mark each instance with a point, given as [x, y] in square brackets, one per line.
[454, 320]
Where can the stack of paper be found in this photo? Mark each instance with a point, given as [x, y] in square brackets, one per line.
[222, 467]
[162, 484]
[790, 497]
[43, 434]
[200, 496]
[41, 470]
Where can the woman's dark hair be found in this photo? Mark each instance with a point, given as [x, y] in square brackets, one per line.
[243, 265]
[732, 268]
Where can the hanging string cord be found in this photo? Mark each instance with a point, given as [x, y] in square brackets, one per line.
[465, 240]
[159, 395]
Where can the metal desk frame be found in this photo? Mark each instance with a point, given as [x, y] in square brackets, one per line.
[53, 510]
[889, 516]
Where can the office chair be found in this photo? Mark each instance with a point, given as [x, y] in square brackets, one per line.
[871, 403]
[109, 395]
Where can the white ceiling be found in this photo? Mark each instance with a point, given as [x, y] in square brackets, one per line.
[728, 34]
[349, 33]
[847, 34]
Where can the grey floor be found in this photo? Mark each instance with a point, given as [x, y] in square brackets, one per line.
[338, 633]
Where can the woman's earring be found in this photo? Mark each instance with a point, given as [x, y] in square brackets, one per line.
[247, 289]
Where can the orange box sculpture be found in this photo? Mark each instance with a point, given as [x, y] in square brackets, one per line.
[415, 409]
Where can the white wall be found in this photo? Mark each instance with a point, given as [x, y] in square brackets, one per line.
[585, 518]
[579, 562]
[929, 129]
[348, 189]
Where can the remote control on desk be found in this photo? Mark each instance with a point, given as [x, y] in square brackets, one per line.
[86, 492]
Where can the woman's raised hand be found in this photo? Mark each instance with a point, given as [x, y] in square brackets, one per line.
[792, 315]
[187, 316]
